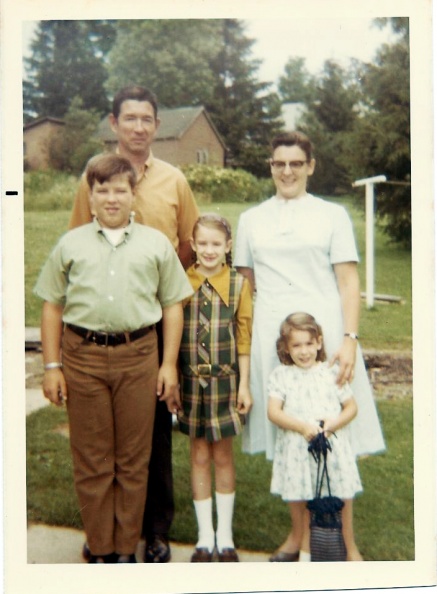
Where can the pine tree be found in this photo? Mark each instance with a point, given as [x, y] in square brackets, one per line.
[67, 61]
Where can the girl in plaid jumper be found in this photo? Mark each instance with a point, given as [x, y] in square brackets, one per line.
[214, 360]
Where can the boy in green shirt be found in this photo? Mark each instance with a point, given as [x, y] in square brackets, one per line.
[105, 285]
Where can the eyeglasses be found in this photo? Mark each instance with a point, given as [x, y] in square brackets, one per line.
[279, 166]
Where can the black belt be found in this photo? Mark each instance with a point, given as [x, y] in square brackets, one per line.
[110, 338]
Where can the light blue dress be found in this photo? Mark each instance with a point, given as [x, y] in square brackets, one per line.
[311, 395]
[292, 246]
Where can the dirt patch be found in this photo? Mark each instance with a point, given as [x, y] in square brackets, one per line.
[390, 372]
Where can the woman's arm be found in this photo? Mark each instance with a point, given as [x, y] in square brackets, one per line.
[249, 274]
[279, 418]
[348, 284]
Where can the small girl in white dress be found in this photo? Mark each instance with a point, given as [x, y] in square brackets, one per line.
[302, 392]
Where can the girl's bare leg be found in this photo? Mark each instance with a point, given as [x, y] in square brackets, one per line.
[201, 457]
[293, 542]
[223, 457]
[352, 552]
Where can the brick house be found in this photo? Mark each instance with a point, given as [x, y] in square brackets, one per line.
[37, 136]
[186, 136]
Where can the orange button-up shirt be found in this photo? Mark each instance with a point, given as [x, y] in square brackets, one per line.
[163, 200]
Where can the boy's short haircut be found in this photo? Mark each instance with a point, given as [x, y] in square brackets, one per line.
[102, 167]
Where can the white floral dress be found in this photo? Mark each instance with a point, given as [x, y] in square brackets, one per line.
[311, 395]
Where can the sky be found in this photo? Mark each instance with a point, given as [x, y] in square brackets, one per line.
[316, 40]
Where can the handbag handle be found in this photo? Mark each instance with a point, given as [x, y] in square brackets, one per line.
[320, 446]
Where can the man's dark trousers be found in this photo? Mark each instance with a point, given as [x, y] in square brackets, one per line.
[159, 510]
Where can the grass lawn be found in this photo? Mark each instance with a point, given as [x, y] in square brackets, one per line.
[383, 515]
[386, 326]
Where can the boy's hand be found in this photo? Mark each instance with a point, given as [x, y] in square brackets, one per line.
[54, 386]
[167, 387]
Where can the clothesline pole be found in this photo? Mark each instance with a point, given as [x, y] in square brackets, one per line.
[370, 182]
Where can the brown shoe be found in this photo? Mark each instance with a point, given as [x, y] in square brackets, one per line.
[228, 555]
[201, 555]
[283, 556]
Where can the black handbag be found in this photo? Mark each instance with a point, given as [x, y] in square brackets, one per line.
[326, 538]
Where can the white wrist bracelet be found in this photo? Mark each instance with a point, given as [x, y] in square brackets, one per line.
[55, 365]
[351, 335]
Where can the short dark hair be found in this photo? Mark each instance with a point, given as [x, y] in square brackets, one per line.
[134, 93]
[298, 321]
[294, 138]
[102, 167]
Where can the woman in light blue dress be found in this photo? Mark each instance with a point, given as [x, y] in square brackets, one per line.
[300, 253]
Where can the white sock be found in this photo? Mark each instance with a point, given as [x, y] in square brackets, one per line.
[225, 513]
[304, 556]
[203, 509]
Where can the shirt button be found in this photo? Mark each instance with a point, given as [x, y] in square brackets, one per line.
[205, 303]
[110, 298]
[112, 272]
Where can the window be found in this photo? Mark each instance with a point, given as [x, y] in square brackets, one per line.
[202, 156]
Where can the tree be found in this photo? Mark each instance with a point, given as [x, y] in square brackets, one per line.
[330, 117]
[201, 61]
[382, 137]
[296, 85]
[245, 112]
[75, 144]
[67, 61]
[169, 56]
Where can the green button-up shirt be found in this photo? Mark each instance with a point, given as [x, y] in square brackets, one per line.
[113, 288]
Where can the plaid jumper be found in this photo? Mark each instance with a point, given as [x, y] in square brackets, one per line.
[209, 360]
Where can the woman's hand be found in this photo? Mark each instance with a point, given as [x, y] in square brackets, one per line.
[345, 356]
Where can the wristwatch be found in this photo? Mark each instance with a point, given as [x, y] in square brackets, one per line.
[351, 335]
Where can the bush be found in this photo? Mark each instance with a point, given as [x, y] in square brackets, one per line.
[49, 190]
[216, 184]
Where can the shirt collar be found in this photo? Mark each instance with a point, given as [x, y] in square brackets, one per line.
[127, 229]
[220, 282]
[147, 163]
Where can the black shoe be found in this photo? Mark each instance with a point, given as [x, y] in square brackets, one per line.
[158, 551]
[127, 558]
[111, 558]
[86, 553]
[90, 558]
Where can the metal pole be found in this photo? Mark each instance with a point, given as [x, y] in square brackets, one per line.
[370, 256]
[370, 276]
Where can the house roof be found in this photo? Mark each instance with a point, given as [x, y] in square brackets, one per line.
[174, 123]
[43, 120]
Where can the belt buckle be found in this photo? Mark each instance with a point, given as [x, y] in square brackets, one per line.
[96, 335]
[204, 369]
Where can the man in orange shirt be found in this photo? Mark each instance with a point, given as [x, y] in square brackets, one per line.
[163, 200]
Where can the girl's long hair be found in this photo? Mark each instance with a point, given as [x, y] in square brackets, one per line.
[215, 221]
[298, 321]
